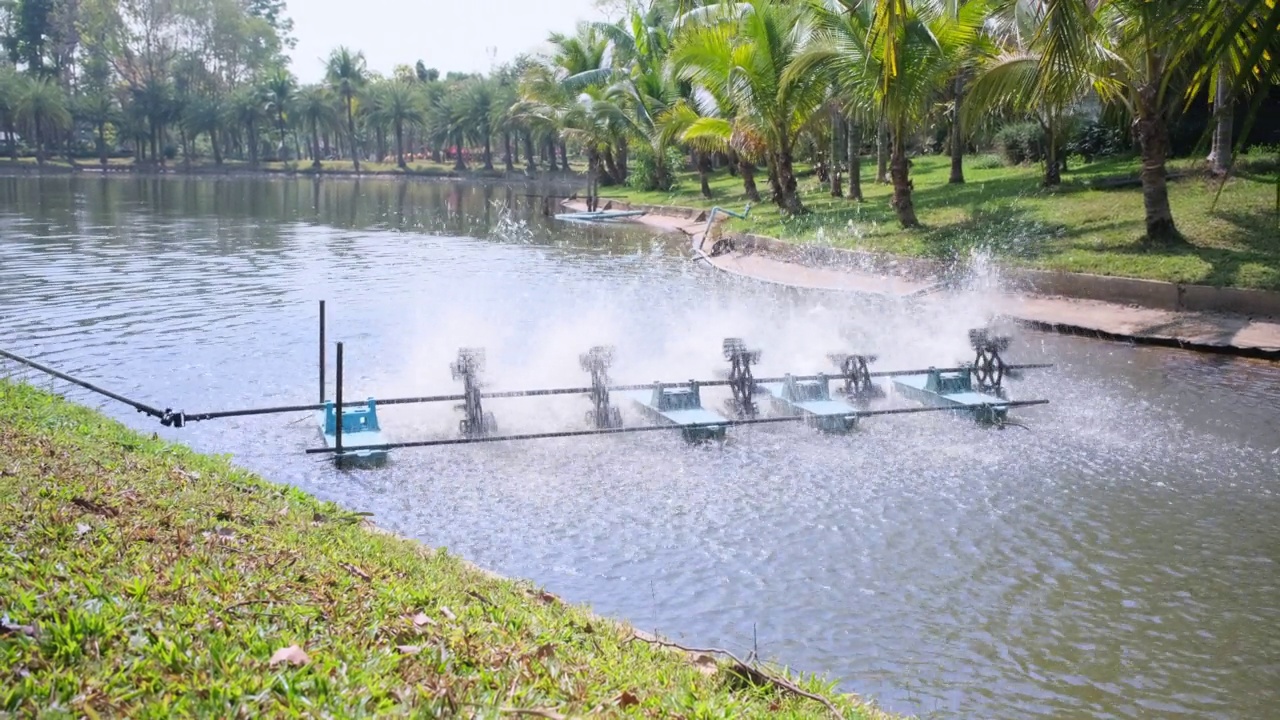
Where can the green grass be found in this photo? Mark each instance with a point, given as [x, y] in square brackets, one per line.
[143, 580]
[1077, 227]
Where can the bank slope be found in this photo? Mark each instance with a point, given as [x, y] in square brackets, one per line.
[142, 579]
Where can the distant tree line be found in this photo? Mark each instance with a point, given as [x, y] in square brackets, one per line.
[754, 86]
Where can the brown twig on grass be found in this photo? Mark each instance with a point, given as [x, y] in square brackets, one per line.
[744, 670]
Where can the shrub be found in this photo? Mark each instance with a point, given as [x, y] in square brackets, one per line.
[645, 173]
[1092, 138]
[1020, 143]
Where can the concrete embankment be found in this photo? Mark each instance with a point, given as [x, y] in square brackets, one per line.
[1199, 317]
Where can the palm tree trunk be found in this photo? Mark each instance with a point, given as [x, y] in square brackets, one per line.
[704, 168]
[957, 140]
[1052, 173]
[102, 143]
[882, 152]
[1153, 137]
[532, 166]
[853, 156]
[837, 190]
[13, 139]
[747, 170]
[39, 141]
[280, 124]
[506, 151]
[488, 150]
[790, 204]
[623, 172]
[315, 145]
[899, 173]
[186, 147]
[610, 167]
[253, 145]
[458, 163]
[1220, 155]
[351, 134]
[400, 144]
[217, 148]
[564, 154]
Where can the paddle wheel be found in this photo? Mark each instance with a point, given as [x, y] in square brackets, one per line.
[467, 367]
[597, 361]
[741, 383]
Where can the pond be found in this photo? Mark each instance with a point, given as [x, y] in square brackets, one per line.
[1117, 557]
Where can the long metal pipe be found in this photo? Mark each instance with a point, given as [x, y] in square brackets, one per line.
[140, 407]
[322, 355]
[337, 426]
[652, 428]
[573, 391]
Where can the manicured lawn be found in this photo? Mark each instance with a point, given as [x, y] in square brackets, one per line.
[143, 580]
[1077, 227]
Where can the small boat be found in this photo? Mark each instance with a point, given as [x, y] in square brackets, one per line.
[955, 390]
[359, 427]
[680, 406]
[599, 215]
[812, 399]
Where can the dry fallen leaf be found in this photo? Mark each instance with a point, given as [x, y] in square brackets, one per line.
[445, 611]
[293, 655]
[409, 649]
[81, 529]
[7, 627]
[544, 651]
[355, 571]
[706, 664]
[421, 619]
[626, 699]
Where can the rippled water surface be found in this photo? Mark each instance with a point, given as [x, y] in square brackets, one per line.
[1117, 558]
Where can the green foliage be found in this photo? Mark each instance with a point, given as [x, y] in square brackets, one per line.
[1022, 142]
[648, 174]
[144, 580]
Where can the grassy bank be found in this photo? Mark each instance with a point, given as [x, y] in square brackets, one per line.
[1086, 225]
[144, 580]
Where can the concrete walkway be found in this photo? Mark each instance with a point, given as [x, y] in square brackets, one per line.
[1211, 332]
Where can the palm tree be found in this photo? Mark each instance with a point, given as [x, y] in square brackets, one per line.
[316, 109]
[248, 108]
[896, 56]
[1134, 52]
[98, 109]
[400, 106]
[1009, 81]
[42, 108]
[743, 51]
[281, 87]
[347, 74]
[9, 87]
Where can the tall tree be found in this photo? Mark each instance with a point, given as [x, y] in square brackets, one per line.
[347, 74]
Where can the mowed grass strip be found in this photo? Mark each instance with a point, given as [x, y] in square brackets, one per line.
[141, 579]
[1092, 223]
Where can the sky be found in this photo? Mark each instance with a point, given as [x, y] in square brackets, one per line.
[461, 35]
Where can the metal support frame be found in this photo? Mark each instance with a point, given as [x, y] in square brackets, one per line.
[322, 353]
[337, 391]
[857, 376]
[467, 367]
[741, 383]
[597, 362]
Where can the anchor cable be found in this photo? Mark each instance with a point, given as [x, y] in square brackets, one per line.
[167, 416]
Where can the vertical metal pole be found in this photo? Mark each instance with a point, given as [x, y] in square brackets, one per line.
[337, 431]
[322, 357]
